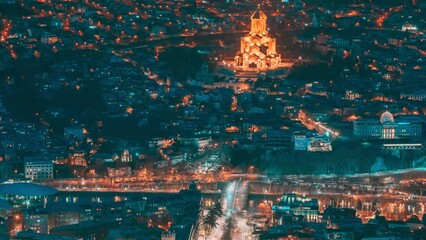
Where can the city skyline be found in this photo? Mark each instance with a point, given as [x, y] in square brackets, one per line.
[221, 120]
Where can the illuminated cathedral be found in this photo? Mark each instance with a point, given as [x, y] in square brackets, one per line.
[258, 49]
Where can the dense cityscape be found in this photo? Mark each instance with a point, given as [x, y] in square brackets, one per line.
[212, 120]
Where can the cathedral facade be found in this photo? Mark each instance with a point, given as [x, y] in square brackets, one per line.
[258, 49]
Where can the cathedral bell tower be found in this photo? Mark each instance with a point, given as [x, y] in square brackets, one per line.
[258, 23]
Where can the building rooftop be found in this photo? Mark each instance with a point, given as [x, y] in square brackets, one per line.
[258, 14]
[4, 205]
[386, 117]
[26, 189]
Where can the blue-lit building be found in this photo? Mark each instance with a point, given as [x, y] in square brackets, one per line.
[293, 204]
[23, 194]
[387, 128]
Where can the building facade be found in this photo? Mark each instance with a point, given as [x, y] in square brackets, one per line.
[168, 236]
[258, 49]
[38, 168]
[36, 221]
[291, 203]
[300, 141]
[387, 128]
[278, 139]
[319, 144]
[78, 159]
[414, 96]
[7, 2]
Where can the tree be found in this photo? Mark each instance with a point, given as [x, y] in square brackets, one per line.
[230, 224]
[215, 212]
[379, 165]
[182, 62]
[210, 220]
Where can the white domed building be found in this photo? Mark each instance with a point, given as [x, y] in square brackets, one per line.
[386, 117]
[387, 128]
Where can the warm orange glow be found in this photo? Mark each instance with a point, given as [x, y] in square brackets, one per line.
[258, 49]
[352, 13]
[234, 104]
[383, 17]
[232, 129]
[352, 118]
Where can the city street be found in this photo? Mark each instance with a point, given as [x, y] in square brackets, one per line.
[234, 200]
[227, 200]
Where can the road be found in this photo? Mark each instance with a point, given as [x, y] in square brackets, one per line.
[227, 200]
[234, 201]
[311, 124]
[242, 231]
[328, 184]
[397, 193]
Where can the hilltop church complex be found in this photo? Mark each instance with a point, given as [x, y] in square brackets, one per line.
[258, 49]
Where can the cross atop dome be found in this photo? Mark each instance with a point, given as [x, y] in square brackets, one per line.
[258, 14]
